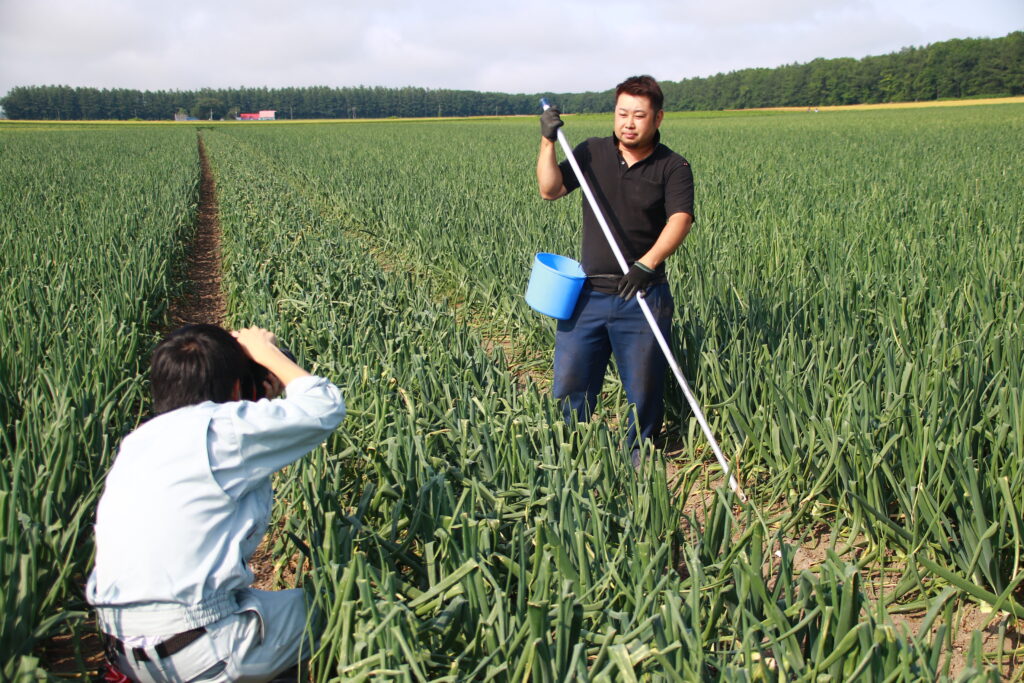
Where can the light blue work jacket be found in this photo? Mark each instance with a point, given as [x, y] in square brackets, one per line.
[187, 501]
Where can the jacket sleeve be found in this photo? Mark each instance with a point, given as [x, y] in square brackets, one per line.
[248, 441]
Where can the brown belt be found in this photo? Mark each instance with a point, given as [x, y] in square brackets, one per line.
[171, 646]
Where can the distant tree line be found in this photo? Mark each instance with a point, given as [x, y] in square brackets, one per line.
[973, 67]
[970, 67]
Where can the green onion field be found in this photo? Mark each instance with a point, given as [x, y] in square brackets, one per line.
[849, 315]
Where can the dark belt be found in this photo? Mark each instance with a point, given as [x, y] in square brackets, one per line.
[609, 283]
[171, 646]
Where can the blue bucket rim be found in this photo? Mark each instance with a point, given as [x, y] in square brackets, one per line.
[559, 257]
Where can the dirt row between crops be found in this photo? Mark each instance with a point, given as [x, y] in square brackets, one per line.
[202, 300]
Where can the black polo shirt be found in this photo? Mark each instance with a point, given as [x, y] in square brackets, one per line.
[636, 200]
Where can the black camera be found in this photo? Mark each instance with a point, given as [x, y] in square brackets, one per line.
[258, 375]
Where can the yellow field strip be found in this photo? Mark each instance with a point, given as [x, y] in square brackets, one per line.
[905, 105]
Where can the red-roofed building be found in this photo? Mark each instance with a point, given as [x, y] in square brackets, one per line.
[264, 115]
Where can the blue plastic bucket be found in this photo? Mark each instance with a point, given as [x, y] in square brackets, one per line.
[555, 284]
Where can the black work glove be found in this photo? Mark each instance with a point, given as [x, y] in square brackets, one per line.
[550, 122]
[636, 280]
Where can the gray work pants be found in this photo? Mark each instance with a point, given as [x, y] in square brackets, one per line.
[263, 638]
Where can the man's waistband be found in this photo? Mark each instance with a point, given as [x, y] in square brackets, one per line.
[154, 618]
[609, 283]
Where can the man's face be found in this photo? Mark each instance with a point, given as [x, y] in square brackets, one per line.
[636, 122]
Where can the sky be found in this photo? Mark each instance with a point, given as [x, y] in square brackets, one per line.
[524, 46]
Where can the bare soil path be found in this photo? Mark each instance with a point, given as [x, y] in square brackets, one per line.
[203, 299]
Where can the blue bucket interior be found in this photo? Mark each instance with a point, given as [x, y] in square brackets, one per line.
[555, 284]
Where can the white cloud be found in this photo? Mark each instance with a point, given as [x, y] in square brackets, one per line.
[528, 46]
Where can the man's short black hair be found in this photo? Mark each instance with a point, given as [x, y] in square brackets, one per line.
[197, 363]
[642, 86]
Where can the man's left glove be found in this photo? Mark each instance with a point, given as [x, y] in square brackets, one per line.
[636, 280]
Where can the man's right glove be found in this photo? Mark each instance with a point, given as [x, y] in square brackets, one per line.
[550, 122]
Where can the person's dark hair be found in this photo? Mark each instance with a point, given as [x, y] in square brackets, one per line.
[642, 86]
[197, 363]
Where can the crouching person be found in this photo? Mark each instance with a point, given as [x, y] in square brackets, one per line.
[187, 501]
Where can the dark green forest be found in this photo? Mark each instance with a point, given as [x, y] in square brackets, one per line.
[971, 67]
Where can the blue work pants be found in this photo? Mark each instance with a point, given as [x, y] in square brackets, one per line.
[601, 325]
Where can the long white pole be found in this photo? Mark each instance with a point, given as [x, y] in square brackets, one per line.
[690, 398]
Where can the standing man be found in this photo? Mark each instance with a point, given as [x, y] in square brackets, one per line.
[645, 191]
